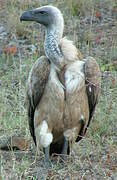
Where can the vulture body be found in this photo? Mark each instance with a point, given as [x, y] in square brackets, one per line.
[62, 89]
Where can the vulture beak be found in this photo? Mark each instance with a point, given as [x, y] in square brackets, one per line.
[27, 16]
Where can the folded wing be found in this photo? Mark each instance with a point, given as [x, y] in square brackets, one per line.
[93, 83]
[37, 80]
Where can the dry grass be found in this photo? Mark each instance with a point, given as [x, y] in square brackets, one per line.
[95, 157]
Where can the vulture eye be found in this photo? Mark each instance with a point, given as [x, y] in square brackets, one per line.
[42, 12]
[39, 12]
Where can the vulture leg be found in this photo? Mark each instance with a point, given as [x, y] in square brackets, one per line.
[47, 158]
[65, 147]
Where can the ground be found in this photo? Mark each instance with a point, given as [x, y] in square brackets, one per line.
[92, 25]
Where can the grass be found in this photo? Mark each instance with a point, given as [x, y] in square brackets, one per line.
[95, 156]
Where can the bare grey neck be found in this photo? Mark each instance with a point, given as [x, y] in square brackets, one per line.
[53, 31]
[51, 45]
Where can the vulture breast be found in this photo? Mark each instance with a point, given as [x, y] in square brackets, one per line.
[76, 104]
[59, 112]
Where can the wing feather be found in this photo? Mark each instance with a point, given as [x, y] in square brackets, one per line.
[37, 80]
[93, 83]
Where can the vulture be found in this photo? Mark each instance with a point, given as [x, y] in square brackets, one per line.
[62, 87]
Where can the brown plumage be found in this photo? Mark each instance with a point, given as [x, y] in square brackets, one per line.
[40, 95]
[62, 89]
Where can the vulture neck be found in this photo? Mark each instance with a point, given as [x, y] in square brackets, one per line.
[56, 31]
[53, 37]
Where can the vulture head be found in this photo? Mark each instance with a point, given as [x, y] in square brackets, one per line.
[49, 16]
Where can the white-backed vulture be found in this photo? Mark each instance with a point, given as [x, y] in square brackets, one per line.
[62, 90]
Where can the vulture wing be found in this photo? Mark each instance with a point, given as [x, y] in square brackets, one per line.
[93, 83]
[35, 88]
